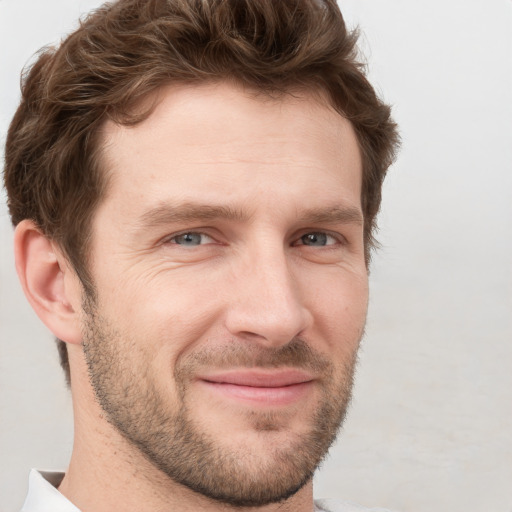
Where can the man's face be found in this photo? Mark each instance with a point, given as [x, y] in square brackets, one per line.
[228, 261]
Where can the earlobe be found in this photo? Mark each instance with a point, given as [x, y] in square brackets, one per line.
[49, 283]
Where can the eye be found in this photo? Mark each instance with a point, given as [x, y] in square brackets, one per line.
[317, 239]
[191, 239]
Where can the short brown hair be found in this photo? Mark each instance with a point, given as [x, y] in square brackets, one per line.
[127, 49]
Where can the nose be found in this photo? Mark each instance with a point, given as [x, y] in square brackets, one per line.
[266, 305]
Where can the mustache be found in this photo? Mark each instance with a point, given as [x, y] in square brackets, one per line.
[297, 353]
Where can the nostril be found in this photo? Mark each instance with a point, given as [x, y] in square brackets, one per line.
[267, 325]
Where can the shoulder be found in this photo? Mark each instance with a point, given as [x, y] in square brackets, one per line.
[343, 506]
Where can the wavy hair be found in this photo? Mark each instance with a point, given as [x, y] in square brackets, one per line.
[125, 50]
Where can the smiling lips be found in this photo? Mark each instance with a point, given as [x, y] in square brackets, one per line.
[280, 387]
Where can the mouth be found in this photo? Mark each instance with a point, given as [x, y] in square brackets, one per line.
[265, 387]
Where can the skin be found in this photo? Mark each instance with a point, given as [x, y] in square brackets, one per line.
[269, 192]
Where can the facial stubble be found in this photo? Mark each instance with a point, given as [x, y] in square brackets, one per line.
[184, 450]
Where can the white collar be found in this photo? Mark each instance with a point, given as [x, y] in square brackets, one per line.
[43, 495]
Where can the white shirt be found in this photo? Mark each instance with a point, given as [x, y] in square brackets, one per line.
[43, 496]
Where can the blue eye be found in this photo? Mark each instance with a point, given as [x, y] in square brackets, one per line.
[317, 239]
[189, 239]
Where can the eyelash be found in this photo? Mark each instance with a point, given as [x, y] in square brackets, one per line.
[337, 238]
[184, 233]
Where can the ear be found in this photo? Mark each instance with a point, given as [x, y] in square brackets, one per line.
[49, 283]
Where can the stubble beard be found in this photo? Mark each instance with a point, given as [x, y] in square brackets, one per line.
[184, 450]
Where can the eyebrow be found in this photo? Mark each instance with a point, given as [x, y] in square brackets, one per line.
[186, 212]
[332, 215]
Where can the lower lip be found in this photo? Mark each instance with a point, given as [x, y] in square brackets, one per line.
[283, 395]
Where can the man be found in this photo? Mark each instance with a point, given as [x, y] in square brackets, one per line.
[194, 186]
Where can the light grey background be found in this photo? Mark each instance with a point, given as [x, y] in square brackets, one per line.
[431, 424]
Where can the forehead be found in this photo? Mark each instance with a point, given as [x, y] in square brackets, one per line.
[220, 138]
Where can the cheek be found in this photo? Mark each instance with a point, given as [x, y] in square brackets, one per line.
[339, 304]
[168, 314]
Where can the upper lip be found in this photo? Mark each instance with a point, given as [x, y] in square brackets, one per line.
[260, 378]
